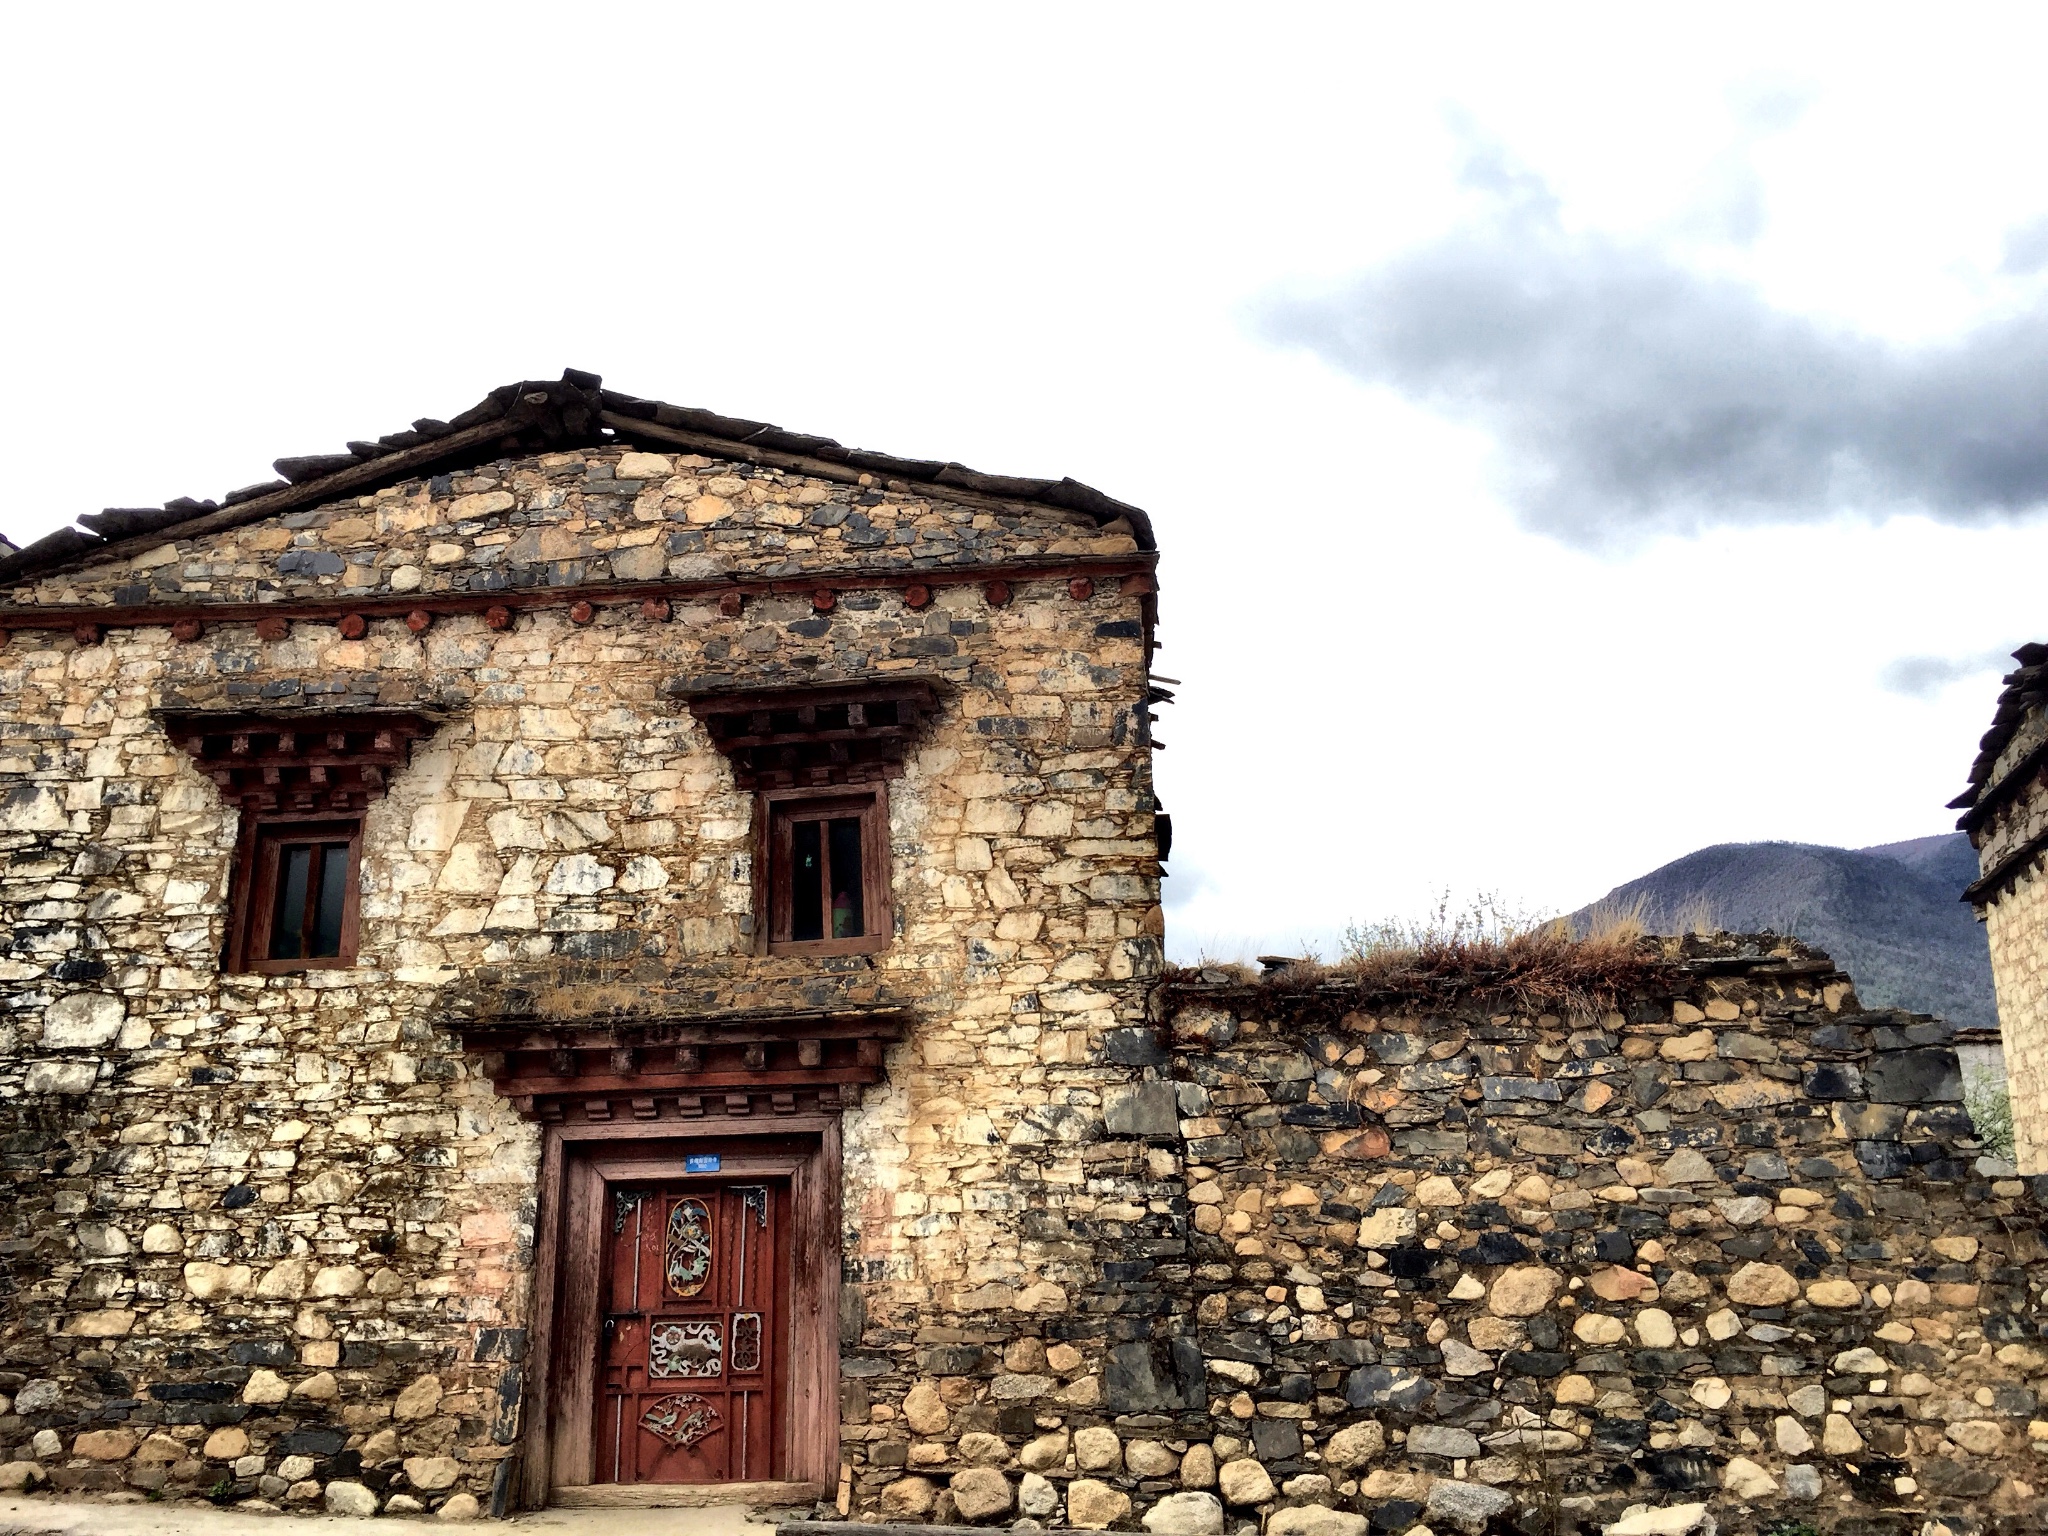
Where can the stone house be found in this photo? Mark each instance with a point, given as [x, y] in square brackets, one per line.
[502, 919]
[2005, 812]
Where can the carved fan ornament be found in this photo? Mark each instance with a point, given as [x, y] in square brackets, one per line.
[681, 1418]
[689, 1247]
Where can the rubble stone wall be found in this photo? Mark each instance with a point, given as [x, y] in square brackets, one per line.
[1730, 1243]
[270, 1237]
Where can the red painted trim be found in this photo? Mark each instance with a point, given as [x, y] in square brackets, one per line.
[274, 618]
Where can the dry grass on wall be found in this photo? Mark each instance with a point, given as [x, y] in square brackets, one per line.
[1481, 953]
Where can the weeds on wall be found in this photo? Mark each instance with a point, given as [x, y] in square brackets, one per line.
[1486, 919]
[1484, 948]
[1532, 963]
[1541, 1477]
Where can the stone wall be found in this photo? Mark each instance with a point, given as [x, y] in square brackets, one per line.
[1379, 1261]
[271, 1237]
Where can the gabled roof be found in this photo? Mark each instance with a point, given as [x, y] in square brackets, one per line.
[2026, 689]
[537, 417]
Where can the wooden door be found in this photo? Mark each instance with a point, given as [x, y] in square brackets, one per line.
[692, 1349]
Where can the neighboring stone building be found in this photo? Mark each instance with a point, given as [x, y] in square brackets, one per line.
[2005, 811]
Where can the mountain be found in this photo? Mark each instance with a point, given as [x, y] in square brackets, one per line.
[1891, 916]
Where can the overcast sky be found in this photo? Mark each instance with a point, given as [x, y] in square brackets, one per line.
[1576, 436]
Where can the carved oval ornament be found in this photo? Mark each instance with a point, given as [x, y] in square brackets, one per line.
[689, 1247]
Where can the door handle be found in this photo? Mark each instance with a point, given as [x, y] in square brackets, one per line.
[613, 1319]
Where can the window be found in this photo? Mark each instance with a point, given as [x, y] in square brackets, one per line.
[302, 781]
[295, 904]
[819, 758]
[827, 862]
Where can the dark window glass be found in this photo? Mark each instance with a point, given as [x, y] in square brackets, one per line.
[846, 886]
[820, 890]
[807, 888]
[333, 896]
[312, 891]
[288, 922]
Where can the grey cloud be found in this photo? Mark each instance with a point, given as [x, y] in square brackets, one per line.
[1632, 395]
[1922, 677]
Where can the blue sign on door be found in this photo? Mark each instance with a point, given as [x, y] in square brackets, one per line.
[700, 1162]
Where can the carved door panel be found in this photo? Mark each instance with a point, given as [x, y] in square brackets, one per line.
[694, 1304]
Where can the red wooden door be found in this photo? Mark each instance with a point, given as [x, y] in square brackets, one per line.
[694, 1296]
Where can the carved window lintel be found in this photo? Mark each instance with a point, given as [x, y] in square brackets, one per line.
[305, 763]
[302, 781]
[837, 733]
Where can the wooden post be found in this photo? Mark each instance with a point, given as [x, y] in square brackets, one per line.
[581, 612]
[498, 616]
[273, 626]
[419, 621]
[353, 626]
[185, 631]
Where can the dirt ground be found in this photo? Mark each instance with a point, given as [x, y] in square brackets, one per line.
[43, 1517]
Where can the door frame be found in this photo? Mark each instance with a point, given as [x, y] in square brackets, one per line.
[556, 1444]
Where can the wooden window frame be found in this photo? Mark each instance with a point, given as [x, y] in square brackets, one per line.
[772, 910]
[254, 896]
